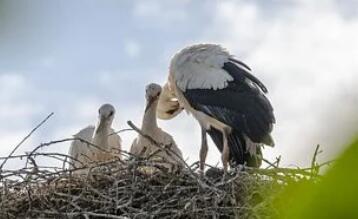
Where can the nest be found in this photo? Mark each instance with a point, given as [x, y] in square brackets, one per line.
[124, 188]
[120, 189]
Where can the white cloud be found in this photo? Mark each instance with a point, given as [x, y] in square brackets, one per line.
[17, 107]
[47, 62]
[237, 23]
[16, 112]
[161, 12]
[147, 8]
[132, 48]
[10, 85]
[8, 140]
[86, 109]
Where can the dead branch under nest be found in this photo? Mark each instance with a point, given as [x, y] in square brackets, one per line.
[123, 189]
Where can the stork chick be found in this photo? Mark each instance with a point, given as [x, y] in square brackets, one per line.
[142, 146]
[101, 135]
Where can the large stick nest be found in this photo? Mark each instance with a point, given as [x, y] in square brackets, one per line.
[134, 187]
[120, 189]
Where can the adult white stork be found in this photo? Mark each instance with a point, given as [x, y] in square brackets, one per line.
[101, 135]
[226, 99]
[142, 146]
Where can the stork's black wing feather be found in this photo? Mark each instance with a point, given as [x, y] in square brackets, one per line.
[240, 73]
[243, 108]
[238, 155]
[240, 63]
[242, 105]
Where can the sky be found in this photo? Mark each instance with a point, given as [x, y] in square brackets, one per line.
[69, 57]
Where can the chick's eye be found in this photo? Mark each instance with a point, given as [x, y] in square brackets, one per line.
[111, 113]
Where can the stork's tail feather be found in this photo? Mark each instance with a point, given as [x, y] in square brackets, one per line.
[254, 160]
[268, 140]
[237, 145]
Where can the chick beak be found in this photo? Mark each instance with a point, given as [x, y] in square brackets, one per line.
[151, 101]
[101, 123]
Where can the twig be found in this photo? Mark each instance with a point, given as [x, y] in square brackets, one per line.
[304, 172]
[81, 213]
[314, 166]
[278, 160]
[24, 139]
[119, 131]
[269, 163]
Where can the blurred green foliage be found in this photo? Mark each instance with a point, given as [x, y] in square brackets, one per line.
[335, 196]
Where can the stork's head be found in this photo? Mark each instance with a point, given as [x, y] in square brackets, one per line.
[105, 115]
[152, 93]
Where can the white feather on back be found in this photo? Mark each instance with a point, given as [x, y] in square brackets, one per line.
[200, 67]
[80, 151]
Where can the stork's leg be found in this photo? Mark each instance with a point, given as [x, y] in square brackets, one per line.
[203, 150]
[226, 151]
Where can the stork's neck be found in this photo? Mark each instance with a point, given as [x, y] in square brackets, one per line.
[100, 136]
[149, 124]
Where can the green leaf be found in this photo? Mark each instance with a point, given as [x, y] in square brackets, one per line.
[336, 196]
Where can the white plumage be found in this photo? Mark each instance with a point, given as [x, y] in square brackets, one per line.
[226, 99]
[142, 146]
[101, 135]
[200, 66]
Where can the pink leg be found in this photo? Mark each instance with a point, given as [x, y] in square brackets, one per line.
[203, 150]
[226, 151]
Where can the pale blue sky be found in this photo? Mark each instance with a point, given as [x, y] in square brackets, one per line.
[69, 57]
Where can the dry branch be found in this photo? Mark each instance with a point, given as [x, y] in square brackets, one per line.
[25, 138]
